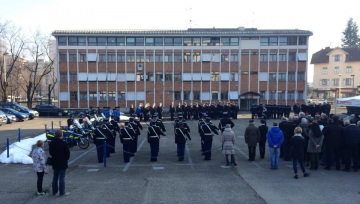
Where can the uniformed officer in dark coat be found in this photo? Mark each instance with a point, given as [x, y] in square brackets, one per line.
[296, 108]
[111, 139]
[115, 129]
[127, 135]
[180, 139]
[159, 123]
[101, 134]
[133, 125]
[253, 111]
[207, 130]
[154, 133]
[224, 121]
[172, 111]
[159, 110]
[81, 118]
[200, 123]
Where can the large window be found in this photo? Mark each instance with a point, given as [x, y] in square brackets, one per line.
[186, 95]
[63, 76]
[81, 41]
[301, 76]
[158, 57]
[177, 95]
[272, 57]
[324, 70]
[73, 95]
[173, 41]
[263, 57]
[102, 57]
[348, 81]
[291, 76]
[121, 57]
[288, 40]
[130, 41]
[272, 76]
[302, 40]
[224, 95]
[72, 57]
[300, 95]
[324, 82]
[187, 57]
[215, 76]
[121, 96]
[281, 95]
[292, 56]
[272, 95]
[130, 57]
[214, 95]
[73, 76]
[335, 82]
[140, 57]
[149, 57]
[234, 58]
[139, 76]
[154, 41]
[62, 57]
[337, 58]
[112, 41]
[336, 70]
[93, 96]
[168, 57]
[159, 76]
[196, 57]
[103, 96]
[282, 76]
[177, 57]
[111, 95]
[230, 41]
[262, 95]
[196, 95]
[82, 57]
[149, 76]
[268, 41]
[348, 69]
[111, 57]
[224, 57]
[62, 40]
[99, 41]
[83, 96]
[291, 95]
[282, 57]
[192, 42]
[168, 76]
[177, 76]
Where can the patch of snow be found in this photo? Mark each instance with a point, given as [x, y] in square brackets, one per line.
[19, 152]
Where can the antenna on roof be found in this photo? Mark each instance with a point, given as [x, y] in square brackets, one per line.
[190, 21]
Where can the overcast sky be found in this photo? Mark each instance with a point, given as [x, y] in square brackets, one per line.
[326, 19]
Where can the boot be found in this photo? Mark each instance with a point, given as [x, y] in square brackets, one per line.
[233, 160]
[227, 160]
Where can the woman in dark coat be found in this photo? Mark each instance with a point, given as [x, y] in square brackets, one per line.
[314, 146]
[297, 146]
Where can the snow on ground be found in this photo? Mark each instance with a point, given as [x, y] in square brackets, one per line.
[19, 152]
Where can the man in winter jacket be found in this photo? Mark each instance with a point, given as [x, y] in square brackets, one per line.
[351, 138]
[275, 139]
[252, 137]
[332, 139]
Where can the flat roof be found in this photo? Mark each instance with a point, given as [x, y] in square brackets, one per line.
[191, 31]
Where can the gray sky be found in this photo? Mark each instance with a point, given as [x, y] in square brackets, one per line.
[326, 19]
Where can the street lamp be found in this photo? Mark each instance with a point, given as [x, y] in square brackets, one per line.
[353, 83]
[340, 85]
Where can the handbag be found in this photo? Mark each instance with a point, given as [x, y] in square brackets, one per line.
[49, 161]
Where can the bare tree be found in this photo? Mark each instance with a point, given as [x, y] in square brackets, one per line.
[39, 67]
[12, 41]
[51, 86]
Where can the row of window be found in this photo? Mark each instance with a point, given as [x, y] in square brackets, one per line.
[148, 57]
[281, 76]
[176, 41]
[337, 58]
[335, 82]
[280, 95]
[121, 96]
[325, 70]
[149, 76]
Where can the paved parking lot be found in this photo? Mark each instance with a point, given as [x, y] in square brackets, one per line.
[170, 181]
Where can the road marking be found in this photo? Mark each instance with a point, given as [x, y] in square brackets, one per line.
[81, 155]
[158, 168]
[189, 157]
[225, 167]
[288, 165]
[23, 171]
[256, 164]
[4, 165]
[128, 164]
[92, 170]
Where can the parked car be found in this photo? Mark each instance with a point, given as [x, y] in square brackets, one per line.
[3, 118]
[47, 109]
[10, 118]
[18, 115]
[20, 108]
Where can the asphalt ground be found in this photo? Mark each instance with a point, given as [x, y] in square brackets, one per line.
[170, 181]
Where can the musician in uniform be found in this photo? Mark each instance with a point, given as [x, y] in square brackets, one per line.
[154, 134]
[70, 120]
[172, 111]
[135, 128]
[127, 135]
[115, 129]
[111, 138]
[159, 123]
[180, 140]
[101, 134]
[207, 130]
[224, 121]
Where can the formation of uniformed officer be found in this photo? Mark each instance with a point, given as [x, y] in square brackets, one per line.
[181, 135]
[101, 134]
[206, 131]
[70, 120]
[127, 136]
[135, 127]
[154, 133]
[115, 128]
[111, 139]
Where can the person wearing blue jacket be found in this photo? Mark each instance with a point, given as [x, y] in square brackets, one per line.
[275, 139]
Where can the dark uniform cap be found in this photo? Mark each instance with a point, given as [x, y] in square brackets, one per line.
[106, 119]
[251, 121]
[225, 113]
[126, 122]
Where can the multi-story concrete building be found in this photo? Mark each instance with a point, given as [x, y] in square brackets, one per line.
[124, 67]
[334, 65]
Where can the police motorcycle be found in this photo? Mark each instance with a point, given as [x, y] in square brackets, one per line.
[76, 136]
[89, 128]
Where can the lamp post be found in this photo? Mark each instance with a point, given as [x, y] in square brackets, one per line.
[353, 84]
[340, 85]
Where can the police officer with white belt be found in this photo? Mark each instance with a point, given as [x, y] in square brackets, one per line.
[154, 133]
[127, 136]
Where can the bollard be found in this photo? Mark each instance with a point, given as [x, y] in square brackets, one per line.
[45, 128]
[7, 147]
[104, 153]
[19, 135]
[52, 125]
